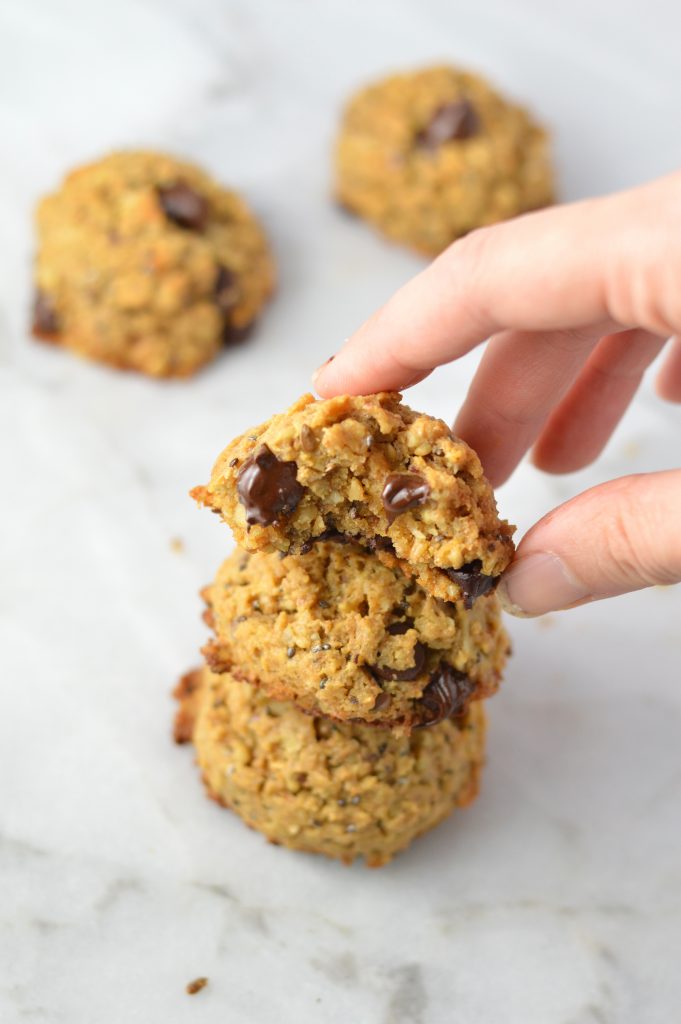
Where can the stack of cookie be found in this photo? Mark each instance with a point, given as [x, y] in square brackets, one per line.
[355, 628]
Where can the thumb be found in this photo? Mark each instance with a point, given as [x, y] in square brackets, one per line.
[621, 536]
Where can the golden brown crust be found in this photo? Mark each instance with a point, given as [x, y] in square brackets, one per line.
[425, 196]
[120, 279]
[346, 790]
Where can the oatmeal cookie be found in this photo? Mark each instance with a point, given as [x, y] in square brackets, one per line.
[340, 634]
[146, 263]
[430, 155]
[373, 470]
[344, 790]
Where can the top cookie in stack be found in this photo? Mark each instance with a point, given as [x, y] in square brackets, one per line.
[375, 546]
[371, 470]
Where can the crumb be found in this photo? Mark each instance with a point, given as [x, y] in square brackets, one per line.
[177, 545]
[631, 450]
[546, 621]
[195, 986]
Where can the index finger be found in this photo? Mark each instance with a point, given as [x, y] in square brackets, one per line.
[541, 272]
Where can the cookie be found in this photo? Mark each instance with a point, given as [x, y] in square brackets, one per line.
[427, 156]
[344, 790]
[373, 470]
[340, 634]
[145, 263]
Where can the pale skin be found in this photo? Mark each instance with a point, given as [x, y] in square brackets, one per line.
[574, 303]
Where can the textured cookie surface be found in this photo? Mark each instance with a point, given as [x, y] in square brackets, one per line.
[428, 156]
[340, 634]
[145, 263]
[311, 784]
[372, 469]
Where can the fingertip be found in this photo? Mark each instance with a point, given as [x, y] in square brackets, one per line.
[320, 379]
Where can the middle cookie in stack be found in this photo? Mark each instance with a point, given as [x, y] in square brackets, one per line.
[344, 636]
[364, 604]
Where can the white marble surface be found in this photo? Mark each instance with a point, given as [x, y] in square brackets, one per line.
[556, 899]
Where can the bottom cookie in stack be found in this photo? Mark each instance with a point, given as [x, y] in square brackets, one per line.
[346, 790]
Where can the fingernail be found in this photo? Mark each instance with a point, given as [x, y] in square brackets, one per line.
[320, 369]
[539, 583]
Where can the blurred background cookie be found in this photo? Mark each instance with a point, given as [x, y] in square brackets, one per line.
[429, 155]
[146, 263]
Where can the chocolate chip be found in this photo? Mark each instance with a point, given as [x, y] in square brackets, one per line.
[290, 652]
[404, 675]
[45, 323]
[379, 544]
[183, 206]
[398, 628]
[329, 535]
[267, 487]
[472, 581]
[233, 335]
[402, 491]
[225, 290]
[308, 440]
[382, 702]
[446, 694]
[450, 122]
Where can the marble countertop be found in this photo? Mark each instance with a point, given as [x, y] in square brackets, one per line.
[556, 899]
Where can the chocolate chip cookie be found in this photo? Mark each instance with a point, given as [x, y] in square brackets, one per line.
[429, 155]
[344, 790]
[372, 470]
[340, 634]
[144, 262]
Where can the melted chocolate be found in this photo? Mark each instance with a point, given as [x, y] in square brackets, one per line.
[225, 290]
[446, 694]
[402, 491]
[183, 206]
[331, 535]
[398, 628]
[379, 544]
[268, 488]
[232, 335]
[472, 581]
[45, 323]
[450, 123]
[405, 675]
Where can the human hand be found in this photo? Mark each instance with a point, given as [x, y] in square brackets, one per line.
[576, 301]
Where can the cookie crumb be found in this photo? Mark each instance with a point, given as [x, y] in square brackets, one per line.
[177, 545]
[196, 985]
